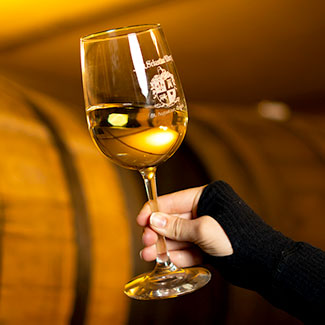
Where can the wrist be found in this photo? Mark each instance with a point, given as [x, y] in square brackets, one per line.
[257, 246]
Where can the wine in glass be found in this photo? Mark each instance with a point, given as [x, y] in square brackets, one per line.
[137, 117]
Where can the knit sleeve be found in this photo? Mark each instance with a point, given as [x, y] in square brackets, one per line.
[289, 274]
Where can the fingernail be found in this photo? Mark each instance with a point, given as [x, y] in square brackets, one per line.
[158, 220]
[140, 253]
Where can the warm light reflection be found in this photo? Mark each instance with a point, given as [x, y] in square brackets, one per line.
[154, 39]
[277, 111]
[156, 140]
[138, 63]
[116, 119]
[161, 138]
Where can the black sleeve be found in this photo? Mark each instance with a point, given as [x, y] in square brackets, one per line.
[289, 274]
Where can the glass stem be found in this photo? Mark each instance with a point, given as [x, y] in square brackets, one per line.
[149, 178]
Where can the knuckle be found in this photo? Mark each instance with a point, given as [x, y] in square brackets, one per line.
[202, 226]
[177, 228]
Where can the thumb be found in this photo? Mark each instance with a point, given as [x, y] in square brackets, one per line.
[174, 227]
[205, 231]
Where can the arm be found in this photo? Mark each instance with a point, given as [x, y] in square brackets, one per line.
[291, 275]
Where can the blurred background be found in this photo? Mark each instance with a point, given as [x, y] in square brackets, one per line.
[254, 77]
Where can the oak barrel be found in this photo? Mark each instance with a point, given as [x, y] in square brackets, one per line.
[64, 237]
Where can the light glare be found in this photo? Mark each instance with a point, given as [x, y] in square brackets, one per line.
[116, 119]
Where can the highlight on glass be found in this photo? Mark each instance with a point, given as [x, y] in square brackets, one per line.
[137, 117]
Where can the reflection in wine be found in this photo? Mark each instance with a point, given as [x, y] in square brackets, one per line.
[136, 137]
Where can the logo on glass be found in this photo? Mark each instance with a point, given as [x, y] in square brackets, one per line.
[163, 88]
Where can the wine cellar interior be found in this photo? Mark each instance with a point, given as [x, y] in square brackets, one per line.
[253, 73]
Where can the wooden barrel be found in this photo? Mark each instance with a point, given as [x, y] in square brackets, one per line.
[278, 167]
[64, 238]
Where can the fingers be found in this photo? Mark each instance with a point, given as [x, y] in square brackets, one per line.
[149, 238]
[183, 254]
[182, 202]
[186, 258]
[205, 232]
[175, 228]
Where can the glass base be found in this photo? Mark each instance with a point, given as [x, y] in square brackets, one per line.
[167, 282]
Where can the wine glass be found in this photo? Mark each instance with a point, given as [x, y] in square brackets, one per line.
[137, 117]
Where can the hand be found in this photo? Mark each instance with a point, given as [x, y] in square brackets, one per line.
[186, 235]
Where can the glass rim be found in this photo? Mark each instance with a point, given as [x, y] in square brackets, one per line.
[118, 32]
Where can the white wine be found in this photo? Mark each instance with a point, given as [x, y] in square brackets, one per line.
[136, 137]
